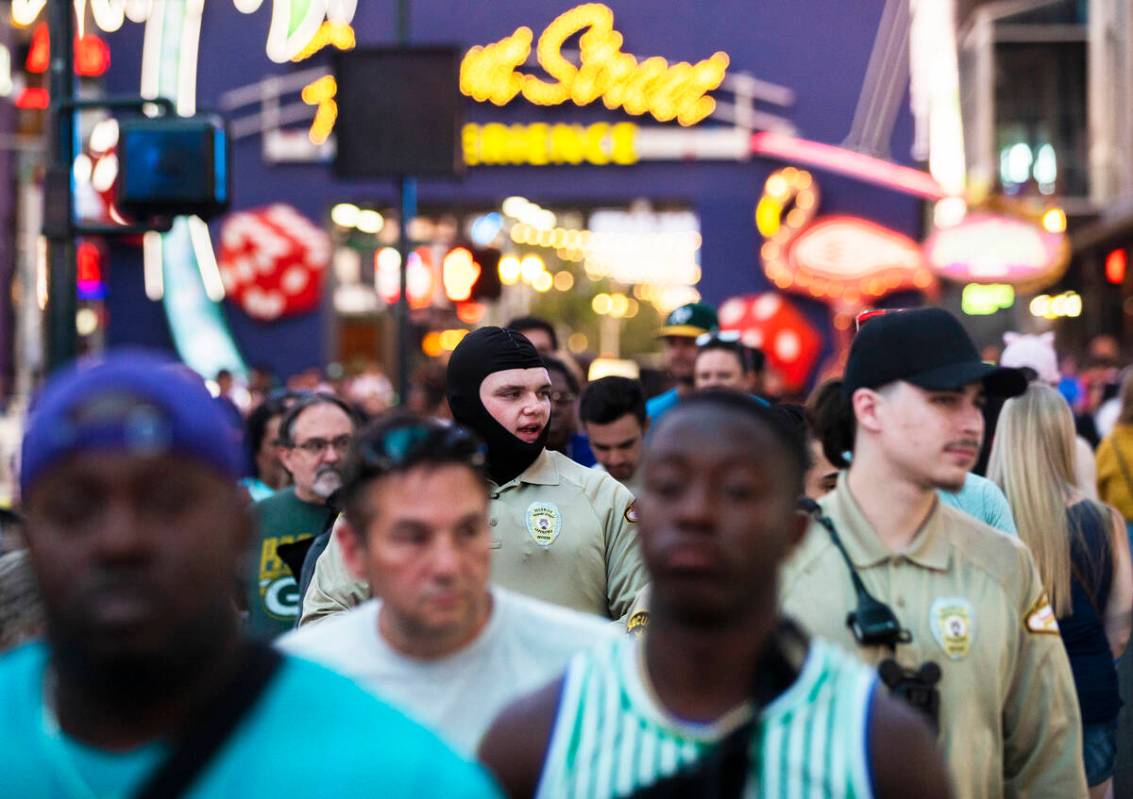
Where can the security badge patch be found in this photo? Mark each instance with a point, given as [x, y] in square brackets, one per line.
[1040, 618]
[953, 625]
[544, 521]
[631, 512]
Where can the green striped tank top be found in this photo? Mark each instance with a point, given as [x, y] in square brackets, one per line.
[612, 737]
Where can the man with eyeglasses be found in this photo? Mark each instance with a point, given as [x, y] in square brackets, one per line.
[314, 438]
[561, 532]
[562, 429]
[441, 644]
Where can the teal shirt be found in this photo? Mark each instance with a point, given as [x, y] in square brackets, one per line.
[312, 734]
[982, 499]
[658, 406]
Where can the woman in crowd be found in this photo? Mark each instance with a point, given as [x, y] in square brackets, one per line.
[1082, 554]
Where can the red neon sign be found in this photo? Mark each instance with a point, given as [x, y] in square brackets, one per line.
[1115, 264]
[32, 98]
[92, 54]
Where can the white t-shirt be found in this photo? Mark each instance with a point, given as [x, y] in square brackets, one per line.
[525, 644]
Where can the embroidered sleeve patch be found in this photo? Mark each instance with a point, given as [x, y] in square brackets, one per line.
[637, 622]
[1040, 618]
[631, 512]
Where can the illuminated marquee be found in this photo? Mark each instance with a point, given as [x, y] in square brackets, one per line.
[996, 248]
[653, 86]
[540, 144]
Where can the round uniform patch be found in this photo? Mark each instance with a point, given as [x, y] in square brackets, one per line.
[544, 521]
[631, 512]
[637, 622]
[953, 625]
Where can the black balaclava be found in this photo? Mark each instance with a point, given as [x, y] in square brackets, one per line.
[479, 354]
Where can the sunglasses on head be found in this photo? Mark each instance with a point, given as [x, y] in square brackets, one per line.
[723, 336]
[405, 445]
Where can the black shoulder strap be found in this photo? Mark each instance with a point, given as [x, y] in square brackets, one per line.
[207, 733]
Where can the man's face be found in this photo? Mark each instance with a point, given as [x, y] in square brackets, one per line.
[427, 560]
[822, 476]
[618, 446]
[540, 339]
[680, 355]
[719, 369]
[268, 464]
[320, 439]
[564, 412]
[933, 437]
[520, 400]
[136, 559]
[716, 517]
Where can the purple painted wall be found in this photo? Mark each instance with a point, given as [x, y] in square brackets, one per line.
[819, 48]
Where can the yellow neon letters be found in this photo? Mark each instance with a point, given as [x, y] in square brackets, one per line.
[653, 86]
[541, 144]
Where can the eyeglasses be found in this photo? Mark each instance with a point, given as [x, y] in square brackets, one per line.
[871, 313]
[406, 444]
[315, 446]
[725, 336]
[563, 397]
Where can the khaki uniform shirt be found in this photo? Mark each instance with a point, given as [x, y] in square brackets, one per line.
[561, 532]
[972, 599]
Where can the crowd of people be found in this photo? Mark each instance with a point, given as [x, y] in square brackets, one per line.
[916, 582]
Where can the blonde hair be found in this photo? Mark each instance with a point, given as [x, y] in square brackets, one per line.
[1032, 460]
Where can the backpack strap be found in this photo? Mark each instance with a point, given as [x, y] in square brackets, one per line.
[208, 731]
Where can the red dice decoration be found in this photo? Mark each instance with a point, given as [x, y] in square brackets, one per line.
[272, 261]
[770, 323]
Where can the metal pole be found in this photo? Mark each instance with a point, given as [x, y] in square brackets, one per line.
[58, 199]
[407, 188]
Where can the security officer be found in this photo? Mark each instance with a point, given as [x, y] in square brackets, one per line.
[680, 332]
[951, 610]
[561, 532]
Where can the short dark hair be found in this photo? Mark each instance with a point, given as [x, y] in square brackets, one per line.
[830, 416]
[397, 444]
[256, 427]
[555, 365]
[794, 447]
[610, 398]
[521, 323]
[306, 401]
[742, 353]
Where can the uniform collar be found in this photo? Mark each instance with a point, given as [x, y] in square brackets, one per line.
[929, 549]
[541, 472]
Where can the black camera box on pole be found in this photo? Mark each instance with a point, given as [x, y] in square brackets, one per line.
[399, 112]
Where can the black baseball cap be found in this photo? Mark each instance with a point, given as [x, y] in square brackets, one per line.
[927, 347]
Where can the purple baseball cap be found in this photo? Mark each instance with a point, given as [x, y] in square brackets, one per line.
[131, 400]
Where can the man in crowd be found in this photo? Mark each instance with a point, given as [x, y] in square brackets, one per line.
[612, 410]
[722, 362]
[440, 644]
[145, 686]
[721, 690]
[560, 532]
[539, 332]
[953, 611]
[680, 331]
[562, 430]
[314, 437]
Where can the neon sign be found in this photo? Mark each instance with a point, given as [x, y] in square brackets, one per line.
[653, 86]
[838, 258]
[979, 299]
[540, 144]
[1068, 304]
[996, 248]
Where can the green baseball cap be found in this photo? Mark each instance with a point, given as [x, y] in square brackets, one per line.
[690, 320]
